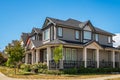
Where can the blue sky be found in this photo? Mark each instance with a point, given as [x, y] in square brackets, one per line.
[17, 16]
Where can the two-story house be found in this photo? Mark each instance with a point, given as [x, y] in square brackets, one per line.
[83, 45]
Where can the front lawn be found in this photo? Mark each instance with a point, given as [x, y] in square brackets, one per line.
[29, 75]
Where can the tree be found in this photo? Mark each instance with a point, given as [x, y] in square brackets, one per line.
[57, 55]
[15, 54]
[2, 59]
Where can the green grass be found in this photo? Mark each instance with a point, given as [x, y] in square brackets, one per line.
[29, 75]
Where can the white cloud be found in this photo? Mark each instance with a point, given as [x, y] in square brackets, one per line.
[117, 40]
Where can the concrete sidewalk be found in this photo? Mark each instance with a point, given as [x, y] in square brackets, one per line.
[3, 77]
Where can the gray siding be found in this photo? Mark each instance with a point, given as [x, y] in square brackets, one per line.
[68, 34]
[104, 40]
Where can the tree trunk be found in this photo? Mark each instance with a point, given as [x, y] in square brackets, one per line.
[15, 69]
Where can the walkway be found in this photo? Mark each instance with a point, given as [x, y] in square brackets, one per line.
[3, 77]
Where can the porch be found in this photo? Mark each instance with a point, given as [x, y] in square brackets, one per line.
[76, 58]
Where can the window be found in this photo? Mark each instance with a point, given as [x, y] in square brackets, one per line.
[87, 35]
[76, 34]
[74, 54]
[33, 38]
[60, 32]
[109, 39]
[96, 37]
[70, 54]
[45, 55]
[46, 34]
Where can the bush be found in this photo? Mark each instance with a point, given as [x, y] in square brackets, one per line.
[55, 72]
[70, 71]
[25, 67]
[41, 67]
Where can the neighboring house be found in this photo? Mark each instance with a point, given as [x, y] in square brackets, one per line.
[83, 45]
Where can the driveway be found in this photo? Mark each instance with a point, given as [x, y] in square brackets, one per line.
[3, 77]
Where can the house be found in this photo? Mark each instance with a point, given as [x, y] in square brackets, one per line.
[84, 45]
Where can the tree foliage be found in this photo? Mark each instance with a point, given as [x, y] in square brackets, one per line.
[2, 59]
[57, 55]
[15, 53]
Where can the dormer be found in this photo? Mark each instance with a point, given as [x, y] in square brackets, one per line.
[88, 31]
[36, 34]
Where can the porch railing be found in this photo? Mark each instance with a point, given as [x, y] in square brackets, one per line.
[78, 64]
[117, 65]
[52, 64]
[73, 64]
[66, 64]
[91, 64]
[105, 64]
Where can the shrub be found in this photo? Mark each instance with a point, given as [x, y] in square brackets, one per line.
[55, 72]
[70, 71]
[25, 67]
[34, 68]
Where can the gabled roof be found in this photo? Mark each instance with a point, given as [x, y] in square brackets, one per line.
[24, 37]
[36, 30]
[72, 23]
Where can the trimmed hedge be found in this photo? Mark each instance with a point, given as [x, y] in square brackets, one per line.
[91, 70]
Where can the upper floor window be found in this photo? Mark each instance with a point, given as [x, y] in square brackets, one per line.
[109, 39]
[33, 38]
[96, 37]
[76, 34]
[87, 35]
[60, 32]
[46, 34]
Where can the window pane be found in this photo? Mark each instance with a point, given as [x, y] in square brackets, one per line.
[74, 54]
[96, 37]
[87, 35]
[68, 54]
[45, 55]
[46, 34]
[59, 31]
[76, 34]
[109, 39]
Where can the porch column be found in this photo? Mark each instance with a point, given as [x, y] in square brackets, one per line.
[85, 57]
[26, 58]
[113, 58]
[33, 57]
[97, 57]
[48, 55]
[37, 55]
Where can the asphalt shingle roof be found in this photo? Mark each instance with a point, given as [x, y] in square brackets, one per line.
[36, 43]
[77, 24]
[24, 37]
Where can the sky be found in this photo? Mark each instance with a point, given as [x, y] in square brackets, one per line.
[17, 16]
